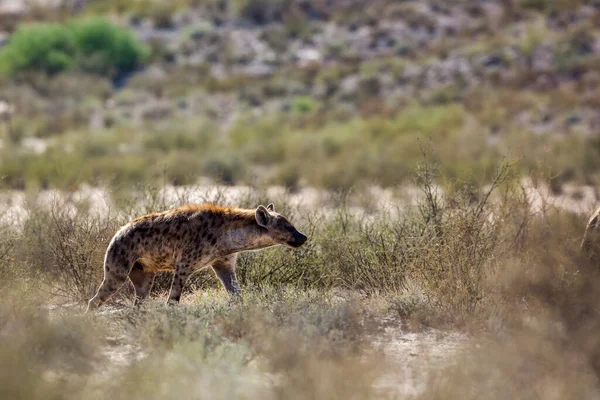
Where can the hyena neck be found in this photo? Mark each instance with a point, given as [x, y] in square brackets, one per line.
[249, 236]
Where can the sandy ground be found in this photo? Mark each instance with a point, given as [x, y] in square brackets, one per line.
[410, 358]
[414, 356]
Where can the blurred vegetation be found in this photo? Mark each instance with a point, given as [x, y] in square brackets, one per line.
[203, 102]
[93, 45]
[325, 154]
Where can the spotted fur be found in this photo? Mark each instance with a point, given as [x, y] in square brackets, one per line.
[185, 239]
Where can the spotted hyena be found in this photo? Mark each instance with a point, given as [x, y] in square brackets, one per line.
[186, 238]
[591, 237]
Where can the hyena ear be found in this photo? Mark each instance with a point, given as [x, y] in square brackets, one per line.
[271, 207]
[262, 216]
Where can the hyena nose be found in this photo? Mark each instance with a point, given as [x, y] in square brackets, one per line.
[301, 239]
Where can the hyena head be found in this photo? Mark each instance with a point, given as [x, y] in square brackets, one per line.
[278, 227]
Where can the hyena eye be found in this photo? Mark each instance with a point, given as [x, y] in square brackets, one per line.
[289, 228]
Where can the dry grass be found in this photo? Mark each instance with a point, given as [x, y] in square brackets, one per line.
[312, 321]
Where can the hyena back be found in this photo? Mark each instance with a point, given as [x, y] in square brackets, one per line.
[185, 239]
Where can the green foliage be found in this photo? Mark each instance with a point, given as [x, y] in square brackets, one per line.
[548, 6]
[93, 45]
[107, 49]
[296, 150]
[45, 47]
[303, 104]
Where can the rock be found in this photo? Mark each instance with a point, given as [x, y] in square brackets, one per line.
[493, 13]
[308, 56]
[6, 109]
[542, 58]
[218, 72]
[35, 145]
[246, 47]
[97, 121]
[157, 111]
[154, 72]
[256, 69]
[349, 85]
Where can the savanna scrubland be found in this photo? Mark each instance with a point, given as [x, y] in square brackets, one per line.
[442, 157]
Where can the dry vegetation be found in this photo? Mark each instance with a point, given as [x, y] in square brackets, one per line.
[311, 323]
[222, 89]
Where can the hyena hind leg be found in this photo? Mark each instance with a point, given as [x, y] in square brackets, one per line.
[142, 282]
[115, 276]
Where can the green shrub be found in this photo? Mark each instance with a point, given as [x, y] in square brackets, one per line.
[303, 104]
[93, 45]
[49, 48]
[106, 48]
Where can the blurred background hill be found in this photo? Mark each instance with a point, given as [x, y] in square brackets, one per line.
[324, 93]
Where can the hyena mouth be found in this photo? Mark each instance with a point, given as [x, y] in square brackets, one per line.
[298, 240]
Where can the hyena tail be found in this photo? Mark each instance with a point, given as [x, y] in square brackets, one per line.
[116, 270]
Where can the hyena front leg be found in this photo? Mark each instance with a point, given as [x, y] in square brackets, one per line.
[115, 275]
[225, 270]
[182, 272]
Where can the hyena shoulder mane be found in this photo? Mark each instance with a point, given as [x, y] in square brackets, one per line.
[188, 210]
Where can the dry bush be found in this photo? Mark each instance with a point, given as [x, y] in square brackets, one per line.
[44, 356]
[460, 240]
[540, 305]
[9, 268]
[64, 246]
[455, 246]
[527, 365]
[483, 257]
[546, 345]
[366, 255]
